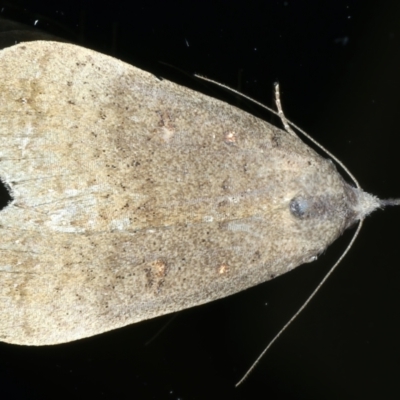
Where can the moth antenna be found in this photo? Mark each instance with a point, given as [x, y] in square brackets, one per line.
[238, 93]
[282, 116]
[304, 305]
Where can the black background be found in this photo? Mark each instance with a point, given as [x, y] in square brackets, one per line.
[338, 66]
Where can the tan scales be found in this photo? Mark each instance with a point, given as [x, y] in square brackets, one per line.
[135, 197]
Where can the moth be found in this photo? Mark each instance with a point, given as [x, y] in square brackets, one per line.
[134, 197]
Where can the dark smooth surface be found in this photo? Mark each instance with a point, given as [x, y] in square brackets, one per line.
[338, 66]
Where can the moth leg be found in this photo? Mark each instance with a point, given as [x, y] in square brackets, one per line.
[280, 111]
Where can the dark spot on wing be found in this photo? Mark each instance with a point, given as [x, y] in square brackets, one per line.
[5, 195]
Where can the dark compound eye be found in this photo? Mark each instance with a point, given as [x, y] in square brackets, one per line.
[299, 207]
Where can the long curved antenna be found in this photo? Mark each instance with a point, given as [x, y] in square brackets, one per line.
[310, 297]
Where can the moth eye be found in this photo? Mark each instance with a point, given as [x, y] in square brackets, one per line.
[299, 207]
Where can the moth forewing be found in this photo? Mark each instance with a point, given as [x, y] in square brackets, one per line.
[134, 197]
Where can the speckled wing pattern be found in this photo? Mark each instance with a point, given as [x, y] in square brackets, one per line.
[134, 197]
